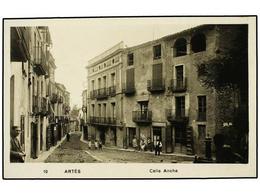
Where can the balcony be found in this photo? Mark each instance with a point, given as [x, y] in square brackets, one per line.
[179, 85]
[40, 63]
[174, 116]
[128, 89]
[92, 94]
[44, 109]
[155, 85]
[20, 38]
[201, 116]
[112, 91]
[108, 121]
[54, 98]
[144, 117]
[102, 93]
[60, 100]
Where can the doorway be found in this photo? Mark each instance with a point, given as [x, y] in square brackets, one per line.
[132, 134]
[34, 140]
[157, 134]
[114, 136]
[180, 138]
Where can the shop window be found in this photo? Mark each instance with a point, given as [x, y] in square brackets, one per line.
[180, 47]
[198, 43]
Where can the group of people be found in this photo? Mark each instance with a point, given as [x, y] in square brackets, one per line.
[97, 144]
[146, 145]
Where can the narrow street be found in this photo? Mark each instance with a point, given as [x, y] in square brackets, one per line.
[76, 151]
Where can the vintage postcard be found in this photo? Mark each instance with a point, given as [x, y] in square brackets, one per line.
[130, 97]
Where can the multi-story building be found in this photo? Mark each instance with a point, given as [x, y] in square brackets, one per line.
[32, 72]
[162, 94]
[104, 97]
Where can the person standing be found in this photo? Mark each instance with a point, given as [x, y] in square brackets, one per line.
[134, 142]
[16, 152]
[158, 147]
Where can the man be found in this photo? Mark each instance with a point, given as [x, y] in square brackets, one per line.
[16, 152]
[158, 147]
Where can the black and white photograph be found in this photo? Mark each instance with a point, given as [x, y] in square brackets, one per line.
[130, 97]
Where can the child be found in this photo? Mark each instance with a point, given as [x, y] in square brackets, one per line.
[96, 144]
[89, 144]
[100, 145]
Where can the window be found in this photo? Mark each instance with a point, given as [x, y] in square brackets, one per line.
[202, 108]
[180, 47]
[93, 109]
[157, 77]
[113, 79]
[130, 79]
[113, 110]
[104, 81]
[157, 52]
[180, 106]
[130, 59]
[99, 110]
[99, 83]
[93, 84]
[198, 43]
[105, 110]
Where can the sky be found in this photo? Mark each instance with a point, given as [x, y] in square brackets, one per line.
[76, 41]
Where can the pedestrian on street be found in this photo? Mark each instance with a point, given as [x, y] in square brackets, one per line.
[158, 147]
[89, 144]
[134, 142]
[100, 145]
[16, 152]
[68, 137]
[96, 144]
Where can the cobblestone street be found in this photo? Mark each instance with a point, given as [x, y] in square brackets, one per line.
[76, 151]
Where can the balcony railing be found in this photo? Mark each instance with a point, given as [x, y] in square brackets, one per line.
[179, 85]
[128, 89]
[60, 100]
[102, 120]
[142, 116]
[112, 91]
[102, 93]
[201, 116]
[176, 116]
[92, 94]
[156, 85]
[54, 98]
[40, 63]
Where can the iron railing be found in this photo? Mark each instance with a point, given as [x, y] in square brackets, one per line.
[142, 116]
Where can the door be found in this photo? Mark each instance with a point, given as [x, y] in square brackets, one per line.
[114, 136]
[157, 76]
[201, 138]
[157, 134]
[34, 140]
[179, 77]
[144, 110]
[102, 136]
[180, 138]
[169, 148]
[132, 134]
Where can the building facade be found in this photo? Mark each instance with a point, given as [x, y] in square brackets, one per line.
[159, 90]
[104, 97]
[32, 75]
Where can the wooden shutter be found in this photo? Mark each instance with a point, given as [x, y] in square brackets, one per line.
[130, 78]
[157, 75]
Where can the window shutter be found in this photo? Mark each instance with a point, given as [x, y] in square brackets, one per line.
[130, 78]
[157, 75]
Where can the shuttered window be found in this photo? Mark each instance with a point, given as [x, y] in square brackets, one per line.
[130, 78]
[157, 75]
